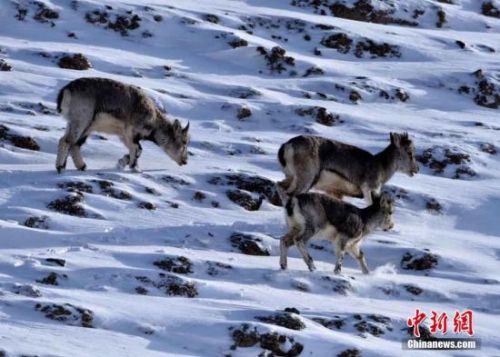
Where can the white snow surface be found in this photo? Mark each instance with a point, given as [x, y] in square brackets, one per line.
[106, 252]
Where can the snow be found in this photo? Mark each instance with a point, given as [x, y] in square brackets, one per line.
[118, 242]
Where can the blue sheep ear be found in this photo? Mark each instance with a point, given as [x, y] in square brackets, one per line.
[177, 124]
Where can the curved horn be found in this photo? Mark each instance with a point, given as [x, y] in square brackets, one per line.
[187, 127]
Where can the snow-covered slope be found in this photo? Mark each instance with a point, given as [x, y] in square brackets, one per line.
[401, 66]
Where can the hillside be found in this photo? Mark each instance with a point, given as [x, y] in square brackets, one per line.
[184, 260]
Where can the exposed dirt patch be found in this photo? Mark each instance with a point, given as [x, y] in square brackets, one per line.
[199, 196]
[175, 286]
[484, 89]
[338, 285]
[243, 113]
[172, 180]
[276, 58]
[374, 49]
[146, 205]
[351, 352]
[280, 345]
[375, 325]
[488, 8]
[70, 204]
[26, 290]
[438, 159]
[41, 12]
[284, 319]
[107, 189]
[244, 199]
[218, 268]
[248, 244]
[67, 313]
[238, 42]
[77, 62]
[339, 41]
[255, 184]
[52, 279]
[38, 222]
[118, 22]
[424, 261]
[76, 186]
[211, 18]
[179, 265]
[170, 284]
[344, 44]
[361, 10]
[320, 114]
[433, 205]
[488, 148]
[441, 18]
[313, 71]
[23, 142]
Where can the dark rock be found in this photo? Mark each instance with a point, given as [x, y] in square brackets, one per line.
[292, 310]
[4, 66]
[424, 261]
[248, 244]
[56, 261]
[412, 289]
[146, 205]
[460, 44]
[179, 265]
